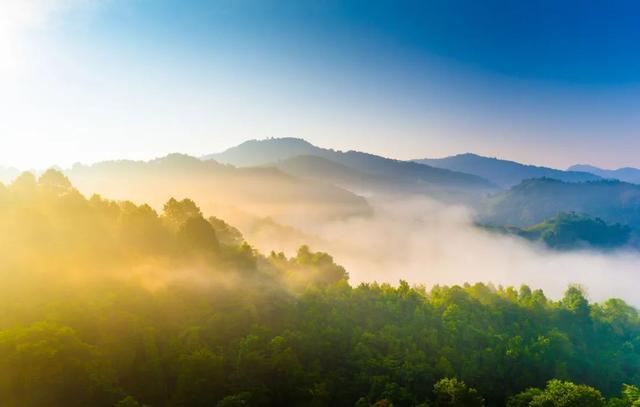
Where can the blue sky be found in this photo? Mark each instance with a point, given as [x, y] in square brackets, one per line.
[544, 82]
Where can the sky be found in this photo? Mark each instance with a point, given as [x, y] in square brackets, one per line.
[545, 82]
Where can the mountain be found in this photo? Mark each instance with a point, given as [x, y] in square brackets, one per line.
[258, 191]
[535, 200]
[567, 231]
[366, 173]
[253, 153]
[322, 169]
[626, 174]
[503, 172]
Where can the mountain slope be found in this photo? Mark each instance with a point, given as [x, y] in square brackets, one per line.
[259, 191]
[626, 174]
[394, 174]
[503, 172]
[567, 231]
[535, 200]
[253, 153]
[315, 167]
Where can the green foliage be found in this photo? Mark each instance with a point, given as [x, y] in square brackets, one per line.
[455, 393]
[108, 303]
[567, 231]
[571, 230]
[559, 394]
[178, 212]
[46, 364]
[534, 200]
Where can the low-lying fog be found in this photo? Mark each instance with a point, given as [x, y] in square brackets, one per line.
[425, 242]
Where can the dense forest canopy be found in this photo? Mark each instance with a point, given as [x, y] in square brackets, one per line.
[567, 231]
[107, 303]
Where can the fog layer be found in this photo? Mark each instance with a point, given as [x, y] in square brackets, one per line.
[426, 242]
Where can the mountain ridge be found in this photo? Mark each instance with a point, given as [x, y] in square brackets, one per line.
[405, 176]
[535, 200]
[505, 173]
[627, 174]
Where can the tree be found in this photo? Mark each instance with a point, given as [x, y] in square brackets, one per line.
[201, 379]
[178, 212]
[575, 301]
[54, 182]
[525, 398]
[48, 364]
[24, 186]
[196, 233]
[559, 394]
[455, 393]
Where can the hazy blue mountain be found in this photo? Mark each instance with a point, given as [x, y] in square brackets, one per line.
[362, 170]
[567, 231]
[535, 200]
[253, 153]
[626, 174]
[315, 167]
[258, 191]
[504, 173]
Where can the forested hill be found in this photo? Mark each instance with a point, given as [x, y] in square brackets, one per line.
[506, 173]
[259, 191]
[568, 231]
[106, 303]
[536, 200]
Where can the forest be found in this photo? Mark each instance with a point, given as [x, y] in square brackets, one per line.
[112, 303]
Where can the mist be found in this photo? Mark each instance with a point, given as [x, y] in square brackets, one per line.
[417, 239]
[426, 243]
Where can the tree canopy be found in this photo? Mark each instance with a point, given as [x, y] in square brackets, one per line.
[107, 303]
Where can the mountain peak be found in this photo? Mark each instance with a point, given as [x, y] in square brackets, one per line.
[291, 141]
[259, 152]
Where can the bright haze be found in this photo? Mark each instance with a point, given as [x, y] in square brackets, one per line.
[548, 82]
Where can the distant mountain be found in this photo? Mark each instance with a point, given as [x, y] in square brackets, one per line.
[503, 172]
[626, 174]
[322, 169]
[535, 200]
[258, 191]
[362, 171]
[253, 153]
[567, 231]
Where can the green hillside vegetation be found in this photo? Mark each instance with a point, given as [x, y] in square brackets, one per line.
[109, 303]
[572, 231]
[505, 173]
[534, 201]
[258, 191]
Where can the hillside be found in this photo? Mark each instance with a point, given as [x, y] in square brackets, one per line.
[115, 304]
[259, 152]
[536, 200]
[503, 172]
[316, 167]
[394, 175]
[258, 191]
[567, 231]
[626, 174]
